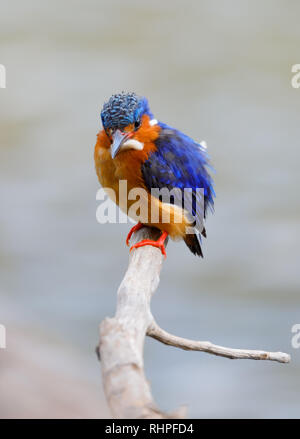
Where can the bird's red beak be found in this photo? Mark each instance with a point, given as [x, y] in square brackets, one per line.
[119, 137]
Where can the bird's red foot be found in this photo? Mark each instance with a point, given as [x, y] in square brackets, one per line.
[160, 243]
[133, 229]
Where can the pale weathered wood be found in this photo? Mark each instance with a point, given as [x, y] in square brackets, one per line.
[122, 338]
[206, 346]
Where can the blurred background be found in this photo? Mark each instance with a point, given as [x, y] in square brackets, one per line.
[219, 71]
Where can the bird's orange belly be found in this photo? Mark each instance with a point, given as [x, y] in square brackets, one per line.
[134, 199]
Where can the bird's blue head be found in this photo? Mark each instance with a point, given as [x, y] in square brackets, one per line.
[122, 116]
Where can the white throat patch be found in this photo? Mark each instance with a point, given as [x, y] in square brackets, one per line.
[135, 144]
[132, 144]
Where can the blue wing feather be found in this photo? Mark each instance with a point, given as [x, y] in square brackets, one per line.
[179, 162]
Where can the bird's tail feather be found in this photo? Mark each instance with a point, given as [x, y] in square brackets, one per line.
[193, 241]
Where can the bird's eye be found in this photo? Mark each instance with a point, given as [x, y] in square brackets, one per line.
[137, 124]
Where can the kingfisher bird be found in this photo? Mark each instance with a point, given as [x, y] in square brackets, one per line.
[150, 155]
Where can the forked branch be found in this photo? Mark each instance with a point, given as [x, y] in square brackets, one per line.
[122, 338]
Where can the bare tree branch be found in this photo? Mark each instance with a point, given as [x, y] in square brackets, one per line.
[122, 338]
[159, 334]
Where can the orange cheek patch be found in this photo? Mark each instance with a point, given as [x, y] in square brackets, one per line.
[147, 133]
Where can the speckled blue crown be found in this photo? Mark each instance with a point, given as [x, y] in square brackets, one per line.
[123, 109]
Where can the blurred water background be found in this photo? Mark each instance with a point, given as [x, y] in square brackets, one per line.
[219, 71]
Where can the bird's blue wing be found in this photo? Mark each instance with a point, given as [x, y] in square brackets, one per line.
[180, 162]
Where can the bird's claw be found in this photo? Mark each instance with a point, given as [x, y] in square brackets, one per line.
[160, 243]
[133, 229]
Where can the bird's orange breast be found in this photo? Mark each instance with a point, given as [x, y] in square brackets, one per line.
[127, 166]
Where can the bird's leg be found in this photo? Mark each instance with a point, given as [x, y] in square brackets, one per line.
[159, 243]
[133, 229]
